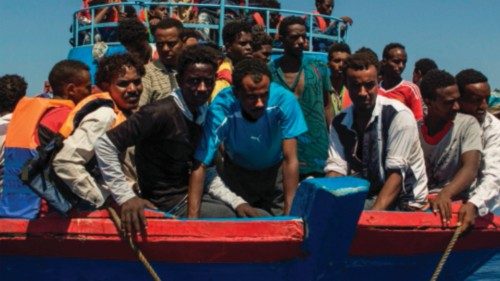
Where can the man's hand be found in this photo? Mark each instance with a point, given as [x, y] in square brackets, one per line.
[347, 20]
[246, 211]
[467, 215]
[132, 214]
[442, 205]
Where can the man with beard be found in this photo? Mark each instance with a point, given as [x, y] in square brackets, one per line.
[451, 142]
[159, 80]
[308, 79]
[165, 135]
[257, 123]
[376, 138]
[393, 86]
[474, 95]
[237, 37]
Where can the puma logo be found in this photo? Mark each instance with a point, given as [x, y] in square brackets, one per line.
[257, 139]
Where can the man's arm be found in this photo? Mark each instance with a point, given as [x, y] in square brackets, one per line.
[195, 191]
[465, 176]
[389, 191]
[290, 172]
[336, 166]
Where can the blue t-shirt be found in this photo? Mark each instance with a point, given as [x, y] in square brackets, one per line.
[251, 145]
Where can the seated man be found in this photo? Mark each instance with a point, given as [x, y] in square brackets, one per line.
[262, 46]
[257, 122]
[165, 134]
[377, 139]
[327, 26]
[12, 89]
[451, 142]
[337, 55]
[474, 94]
[422, 66]
[120, 77]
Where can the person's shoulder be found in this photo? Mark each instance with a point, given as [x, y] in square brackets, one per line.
[393, 104]
[466, 123]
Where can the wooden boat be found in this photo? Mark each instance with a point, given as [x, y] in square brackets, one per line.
[314, 243]
[327, 237]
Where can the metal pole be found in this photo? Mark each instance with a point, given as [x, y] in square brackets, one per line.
[221, 20]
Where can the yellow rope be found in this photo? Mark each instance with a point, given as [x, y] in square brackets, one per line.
[116, 220]
[446, 253]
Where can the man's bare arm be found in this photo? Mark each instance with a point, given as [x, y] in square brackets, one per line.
[290, 172]
[195, 191]
[389, 191]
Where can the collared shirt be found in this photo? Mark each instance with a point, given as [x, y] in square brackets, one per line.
[486, 195]
[390, 142]
[158, 82]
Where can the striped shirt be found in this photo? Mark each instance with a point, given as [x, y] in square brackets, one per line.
[158, 82]
[407, 93]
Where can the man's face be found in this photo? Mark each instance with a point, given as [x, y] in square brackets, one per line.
[326, 7]
[445, 106]
[197, 83]
[126, 89]
[240, 48]
[159, 12]
[264, 53]
[363, 88]
[253, 96]
[395, 64]
[295, 41]
[169, 45]
[336, 62]
[78, 91]
[474, 100]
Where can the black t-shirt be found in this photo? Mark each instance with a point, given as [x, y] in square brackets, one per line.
[165, 141]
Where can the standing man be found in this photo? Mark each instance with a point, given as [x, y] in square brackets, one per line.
[474, 95]
[308, 79]
[422, 66]
[451, 142]
[159, 80]
[337, 55]
[327, 26]
[237, 37]
[377, 139]
[165, 135]
[257, 122]
[393, 86]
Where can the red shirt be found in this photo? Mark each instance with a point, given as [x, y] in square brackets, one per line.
[407, 93]
[52, 121]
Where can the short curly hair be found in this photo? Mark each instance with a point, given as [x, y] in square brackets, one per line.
[255, 68]
[232, 30]
[12, 89]
[433, 80]
[338, 47]
[196, 54]
[259, 39]
[389, 47]
[469, 76]
[425, 65]
[132, 32]
[361, 61]
[286, 22]
[109, 68]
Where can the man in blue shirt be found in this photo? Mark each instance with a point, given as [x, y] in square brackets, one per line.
[257, 123]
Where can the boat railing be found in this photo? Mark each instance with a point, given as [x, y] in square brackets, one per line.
[90, 27]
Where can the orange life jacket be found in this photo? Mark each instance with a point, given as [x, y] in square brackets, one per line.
[320, 21]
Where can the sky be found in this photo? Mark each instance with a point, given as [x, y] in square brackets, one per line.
[457, 34]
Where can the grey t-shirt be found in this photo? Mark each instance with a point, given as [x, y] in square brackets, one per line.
[442, 159]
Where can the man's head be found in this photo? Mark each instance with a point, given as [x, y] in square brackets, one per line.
[70, 79]
[325, 7]
[190, 37]
[440, 92]
[337, 55]
[12, 89]
[237, 36]
[120, 75]
[262, 46]
[133, 35]
[292, 32]
[360, 72]
[422, 66]
[474, 93]
[168, 41]
[196, 71]
[393, 61]
[251, 79]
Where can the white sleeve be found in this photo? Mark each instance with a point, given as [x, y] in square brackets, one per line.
[218, 190]
[402, 136]
[78, 150]
[486, 195]
[109, 163]
[336, 158]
